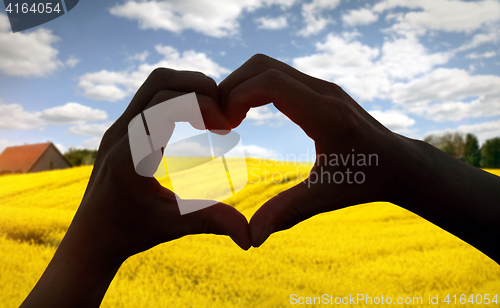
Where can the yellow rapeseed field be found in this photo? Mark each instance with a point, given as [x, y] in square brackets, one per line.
[374, 250]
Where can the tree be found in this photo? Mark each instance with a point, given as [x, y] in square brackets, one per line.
[472, 153]
[78, 157]
[452, 144]
[490, 153]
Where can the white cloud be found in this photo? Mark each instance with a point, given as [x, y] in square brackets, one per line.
[392, 119]
[91, 143]
[488, 54]
[187, 148]
[253, 151]
[449, 95]
[263, 115]
[362, 16]
[442, 15]
[212, 18]
[369, 72]
[60, 147]
[72, 61]
[270, 23]
[27, 54]
[94, 130]
[312, 14]
[91, 130]
[104, 85]
[139, 56]
[72, 113]
[114, 86]
[483, 131]
[492, 36]
[14, 116]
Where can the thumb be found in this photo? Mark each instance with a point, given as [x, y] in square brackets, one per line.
[285, 210]
[220, 219]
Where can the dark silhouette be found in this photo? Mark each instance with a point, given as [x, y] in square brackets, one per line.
[122, 213]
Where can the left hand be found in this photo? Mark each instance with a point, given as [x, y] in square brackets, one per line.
[123, 213]
[127, 213]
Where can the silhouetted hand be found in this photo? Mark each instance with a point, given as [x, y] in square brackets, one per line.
[123, 213]
[386, 166]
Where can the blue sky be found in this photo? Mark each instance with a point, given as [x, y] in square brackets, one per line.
[418, 66]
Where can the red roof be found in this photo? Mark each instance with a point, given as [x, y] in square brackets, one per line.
[20, 159]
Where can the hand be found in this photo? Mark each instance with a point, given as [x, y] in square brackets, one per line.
[412, 174]
[123, 213]
[339, 127]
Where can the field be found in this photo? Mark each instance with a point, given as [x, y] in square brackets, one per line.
[376, 249]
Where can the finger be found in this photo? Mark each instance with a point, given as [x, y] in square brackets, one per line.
[260, 63]
[151, 129]
[169, 79]
[160, 79]
[287, 209]
[211, 113]
[305, 107]
[219, 219]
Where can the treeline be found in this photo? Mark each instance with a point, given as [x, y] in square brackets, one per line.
[467, 149]
[80, 157]
[464, 148]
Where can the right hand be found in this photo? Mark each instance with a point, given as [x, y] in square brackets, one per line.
[338, 126]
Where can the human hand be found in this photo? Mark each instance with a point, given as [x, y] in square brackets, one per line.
[137, 212]
[339, 127]
[123, 213]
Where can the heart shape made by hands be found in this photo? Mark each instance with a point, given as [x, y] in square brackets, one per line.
[350, 144]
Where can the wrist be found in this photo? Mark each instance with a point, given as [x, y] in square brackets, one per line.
[77, 276]
[412, 170]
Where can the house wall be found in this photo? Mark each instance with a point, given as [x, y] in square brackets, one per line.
[50, 155]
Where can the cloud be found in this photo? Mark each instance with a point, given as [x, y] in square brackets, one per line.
[311, 12]
[483, 131]
[369, 72]
[114, 86]
[60, 147]
[72, 113]
[212, 18]
[270, 23]
[94, 130]
[392, 119]
[264, 116]
[91, 143]
[72, 61]
[90, 130]
[139, 56]
[253, 151]
[27, 54]
[14, 116]
[488, 54]
[449, 95]
[442, 15]
[491, 36]
[188, 148]
[362, 16]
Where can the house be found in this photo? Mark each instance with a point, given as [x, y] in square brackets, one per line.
[32, 158]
